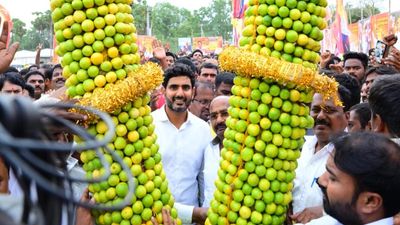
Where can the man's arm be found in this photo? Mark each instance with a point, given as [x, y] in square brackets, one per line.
[308, 214]
[37, 57]
[160, 54]
[6, 54]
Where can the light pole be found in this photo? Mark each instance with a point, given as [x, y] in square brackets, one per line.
[148, 23]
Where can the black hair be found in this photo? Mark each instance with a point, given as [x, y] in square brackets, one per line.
[384, 100]
[363, 112]
[48, 71]
[224, 77]
[30, 89]
[327, 72]
[11, 77]
[187, 62]
[177, 70]
[12, 69]
[357, 55]
[352, 85]
[381, 70]
[345, 97]
[155, 60]
[332, 61]
[172, 55]
[197, 50]
[373, 161]
[34, 72]
[23, 72]
[32, 66]
[209, 66]
[57, 66]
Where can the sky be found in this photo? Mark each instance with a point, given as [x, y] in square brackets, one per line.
[23, 9]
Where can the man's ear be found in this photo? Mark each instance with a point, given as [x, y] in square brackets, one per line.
[162, 90]
[377, 124]
[194, 89]
[369, 203]
[347, 114]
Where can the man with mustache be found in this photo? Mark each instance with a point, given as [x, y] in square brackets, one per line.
[36, 80]
[57, 79]
[218, 114]
[355, 64]
[183, 139]
[329, 120]
[203, 95]
[362, 182]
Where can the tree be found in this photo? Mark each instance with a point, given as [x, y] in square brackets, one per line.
[220, 19]
[41, 32]
[368, 8]
[139, 12]
[18, 30]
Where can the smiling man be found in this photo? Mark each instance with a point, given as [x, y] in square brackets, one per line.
[57, 79]
[183, 139]
[329, 120]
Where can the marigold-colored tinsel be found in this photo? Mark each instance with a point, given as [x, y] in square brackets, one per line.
[138, 83]
[249, 64]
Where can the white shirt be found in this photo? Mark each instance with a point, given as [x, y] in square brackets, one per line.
[385, 221]
[311, 165]
[328, 220]
[324, 220]
[212, 157]
[182, 152]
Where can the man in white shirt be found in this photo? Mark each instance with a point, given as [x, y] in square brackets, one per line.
[183, 139]
[218, 114]
[384, 101]
[362, 182]
[330, 119]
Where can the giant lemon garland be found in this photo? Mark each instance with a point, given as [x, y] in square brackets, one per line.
[268, 113]
[97, 42]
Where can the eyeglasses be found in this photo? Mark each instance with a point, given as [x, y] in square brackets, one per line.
[203, 102]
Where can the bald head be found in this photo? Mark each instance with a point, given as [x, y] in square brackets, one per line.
[218, 114]
[223, 99]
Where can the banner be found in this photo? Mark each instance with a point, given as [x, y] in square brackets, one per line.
[207, 44]
[145, 44]
[364, 34]
[340, 29]
[185, 45]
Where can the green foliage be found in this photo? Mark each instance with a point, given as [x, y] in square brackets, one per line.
[40, 31]
[19, 30]
[170, 22]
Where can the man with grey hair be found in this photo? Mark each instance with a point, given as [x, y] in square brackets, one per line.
[202, 97]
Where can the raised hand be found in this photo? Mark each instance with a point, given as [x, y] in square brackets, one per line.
[6, 53]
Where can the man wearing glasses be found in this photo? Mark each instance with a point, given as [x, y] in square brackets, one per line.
[202, 97]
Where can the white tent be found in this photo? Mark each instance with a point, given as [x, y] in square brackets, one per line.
[25, 57]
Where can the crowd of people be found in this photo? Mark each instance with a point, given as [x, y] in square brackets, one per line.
[349, 169]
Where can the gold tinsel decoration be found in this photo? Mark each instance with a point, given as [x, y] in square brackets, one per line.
[249, 64]
[138, 83]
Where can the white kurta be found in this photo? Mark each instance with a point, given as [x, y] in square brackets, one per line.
[311, 165]
[182, 152]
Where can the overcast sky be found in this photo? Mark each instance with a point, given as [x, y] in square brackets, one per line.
[23, 9]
